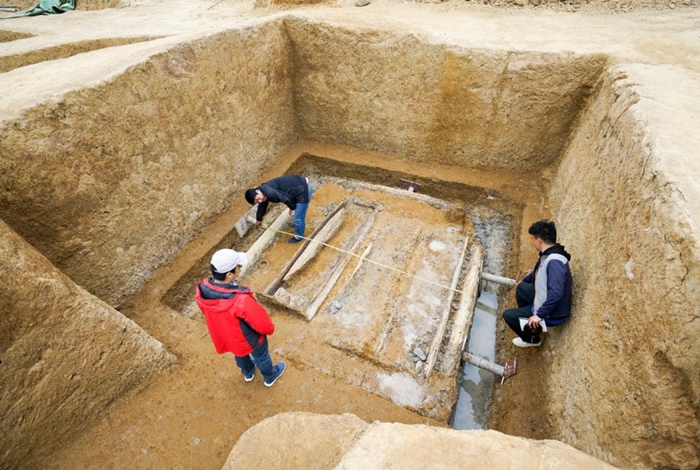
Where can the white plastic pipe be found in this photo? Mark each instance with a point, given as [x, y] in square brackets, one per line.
[498, 279]
[482, 363]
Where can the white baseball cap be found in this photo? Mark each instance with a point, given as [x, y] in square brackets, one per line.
[226, 260]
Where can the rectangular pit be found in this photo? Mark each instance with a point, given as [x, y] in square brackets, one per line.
[110, 205]
[367, 314]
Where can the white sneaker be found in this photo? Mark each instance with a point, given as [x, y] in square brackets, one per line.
[280, 368]
[522, 344]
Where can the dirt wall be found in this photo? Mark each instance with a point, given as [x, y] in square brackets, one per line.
[110, 182]
[97, 4]
[7, 36]
[64, 354]
[308, 440]
[11, 62]
[625, 383]
[399, 93]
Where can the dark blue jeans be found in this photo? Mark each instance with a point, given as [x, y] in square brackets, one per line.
[262, 360]
[299, 217]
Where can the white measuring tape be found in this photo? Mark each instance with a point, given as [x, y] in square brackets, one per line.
[267, 227]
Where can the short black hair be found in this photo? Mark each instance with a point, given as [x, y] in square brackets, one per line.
[250, 196]
[544, 230]
[220, 276]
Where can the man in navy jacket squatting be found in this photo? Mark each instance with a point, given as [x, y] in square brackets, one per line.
[545, 293]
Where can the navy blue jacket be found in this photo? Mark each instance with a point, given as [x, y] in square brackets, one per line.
[557, 304]
[289, 189]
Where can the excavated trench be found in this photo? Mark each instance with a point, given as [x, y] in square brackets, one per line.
[131, 212]
[393, 317]
[11, 62]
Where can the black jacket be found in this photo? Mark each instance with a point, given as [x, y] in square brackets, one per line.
[289, 189]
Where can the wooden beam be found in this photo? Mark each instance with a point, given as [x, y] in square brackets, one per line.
[255, 251]
[440, 332]
[270, 290]
[401, 193]
[465, 312]
[365, 254]
[328, 283]
[244, 223]
[325, 234]
[293, 301]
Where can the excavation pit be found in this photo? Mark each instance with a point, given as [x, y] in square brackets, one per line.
[123, 170]
[386, 280]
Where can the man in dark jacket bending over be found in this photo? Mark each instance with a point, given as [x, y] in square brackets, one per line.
[294, 191]
[545, 293]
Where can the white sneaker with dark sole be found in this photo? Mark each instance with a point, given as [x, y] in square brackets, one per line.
[282, 367]
[522, 344]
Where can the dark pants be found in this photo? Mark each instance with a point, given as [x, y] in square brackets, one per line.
[525, 296]
[262, 359]
[299, 217]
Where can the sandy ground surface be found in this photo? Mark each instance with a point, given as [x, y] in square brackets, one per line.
[191, 417]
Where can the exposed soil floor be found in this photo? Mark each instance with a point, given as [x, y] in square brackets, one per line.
[192, 416]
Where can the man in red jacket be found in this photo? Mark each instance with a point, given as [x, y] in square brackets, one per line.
[237, 323]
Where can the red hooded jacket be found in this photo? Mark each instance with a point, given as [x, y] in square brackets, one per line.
[237, 322]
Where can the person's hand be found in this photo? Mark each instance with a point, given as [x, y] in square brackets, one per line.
[258, 223]
[533, 321]
[291, 212]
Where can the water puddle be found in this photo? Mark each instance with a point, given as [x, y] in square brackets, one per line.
[476, 384]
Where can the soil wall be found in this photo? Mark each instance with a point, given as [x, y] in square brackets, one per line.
[110, 182]
[308, 440]
[64, 354]
[11, 62]
[399, 93]
[626, 382]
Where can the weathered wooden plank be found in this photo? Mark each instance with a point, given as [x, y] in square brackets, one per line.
[440, 332]
[269, 301]
[325, 234]
[334, 275]
[274, 285]
[255, 251]
[244, 223]
[401, 193]
[292, 300]
[365, 254]
[465, 312]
